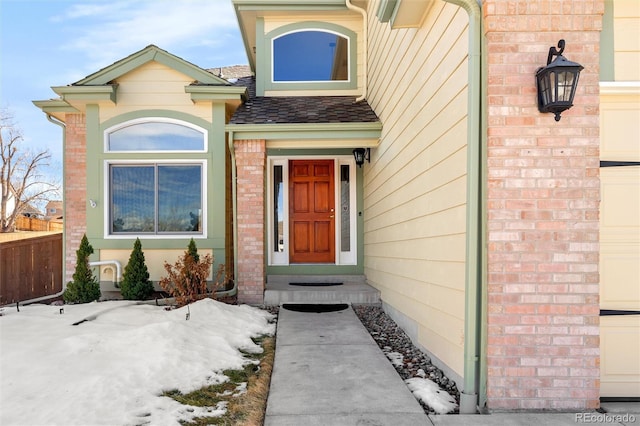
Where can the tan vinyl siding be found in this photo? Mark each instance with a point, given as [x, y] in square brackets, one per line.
[415, 186]
[626, 21]
[153, 85]
[154, 259]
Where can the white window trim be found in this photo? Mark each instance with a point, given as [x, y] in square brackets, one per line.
[347, 257]
[301, 30]
[146, 120]
[106, 203]
[275, 258]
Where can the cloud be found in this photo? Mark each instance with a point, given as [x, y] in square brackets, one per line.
[105, 33]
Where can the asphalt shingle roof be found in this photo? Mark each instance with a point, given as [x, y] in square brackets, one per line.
[300, 109]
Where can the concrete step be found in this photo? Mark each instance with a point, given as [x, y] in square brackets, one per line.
[318, 289]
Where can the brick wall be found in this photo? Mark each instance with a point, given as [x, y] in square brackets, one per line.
[543, 198]
[75, 189]
[250, 166]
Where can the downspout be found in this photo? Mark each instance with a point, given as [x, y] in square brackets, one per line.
[365, 36]
[473, 273]
[234, 189]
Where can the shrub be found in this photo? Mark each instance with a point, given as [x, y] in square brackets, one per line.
[135, 283]
[186, 280]
[85, 287]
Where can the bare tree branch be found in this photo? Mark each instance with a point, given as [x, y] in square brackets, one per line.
[21, 183]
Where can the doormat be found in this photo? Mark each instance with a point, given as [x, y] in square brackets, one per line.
[316, 284]
[318, 309]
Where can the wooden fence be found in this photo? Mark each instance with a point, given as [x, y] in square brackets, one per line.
[30, 268]
[24, 223]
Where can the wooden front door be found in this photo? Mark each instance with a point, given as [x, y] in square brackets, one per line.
[311, 211]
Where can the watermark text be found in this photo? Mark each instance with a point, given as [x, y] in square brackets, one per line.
[604, 418]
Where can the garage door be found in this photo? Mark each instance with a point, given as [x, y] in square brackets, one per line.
[620, 281]
[620, 250]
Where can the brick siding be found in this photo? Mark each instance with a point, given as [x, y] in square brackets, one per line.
[75, 189]
[542, 204]
[250, 165]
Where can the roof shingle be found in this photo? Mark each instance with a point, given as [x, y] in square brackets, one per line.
[300, 109]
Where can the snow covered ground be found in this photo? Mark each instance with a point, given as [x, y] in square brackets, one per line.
[113, 369]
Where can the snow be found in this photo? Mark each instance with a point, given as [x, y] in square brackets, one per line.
[432, 394]
[114, 368]
[396, 358]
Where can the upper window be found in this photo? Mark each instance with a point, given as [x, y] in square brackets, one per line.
[311, 55]
[154, 136]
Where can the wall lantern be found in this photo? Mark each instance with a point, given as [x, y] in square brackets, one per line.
[361, 154]
[557, 82]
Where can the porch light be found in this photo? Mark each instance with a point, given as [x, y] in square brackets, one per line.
[361, 154]
[557, 82]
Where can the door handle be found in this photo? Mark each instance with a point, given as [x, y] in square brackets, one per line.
[331, 216]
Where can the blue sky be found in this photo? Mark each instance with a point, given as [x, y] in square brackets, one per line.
[46, 43]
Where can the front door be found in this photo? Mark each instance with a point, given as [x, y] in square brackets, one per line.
[311, 211]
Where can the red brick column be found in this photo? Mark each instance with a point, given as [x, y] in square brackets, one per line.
[250, 166]
[75, 189]
[543, 199]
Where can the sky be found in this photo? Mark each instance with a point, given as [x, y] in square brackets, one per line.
[111, 371]
[45, 43]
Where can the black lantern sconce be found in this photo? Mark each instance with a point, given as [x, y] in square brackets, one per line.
[557, 82]
[361, 154]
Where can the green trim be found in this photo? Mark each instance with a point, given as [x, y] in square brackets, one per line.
[53, 106]
[216, 93]
[148, 54]
[475, 320]
[87, 93]
[215, 175]
[267, 70]
[159, 244]
[163, 113]
[302, 131]
[262, 64]
[607, 44]
[386, 9]
[94, 172]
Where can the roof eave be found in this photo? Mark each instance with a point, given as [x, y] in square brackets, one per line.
[299, 134]
[148, 54]
[201, 93]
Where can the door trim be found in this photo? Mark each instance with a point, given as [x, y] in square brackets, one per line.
[281, 258]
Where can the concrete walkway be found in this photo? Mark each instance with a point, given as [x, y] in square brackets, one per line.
[328, 371]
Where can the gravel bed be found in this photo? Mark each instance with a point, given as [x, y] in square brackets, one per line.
[393, 341]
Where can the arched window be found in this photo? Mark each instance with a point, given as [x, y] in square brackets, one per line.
[311, 55]
[150, 193]
[155, 135]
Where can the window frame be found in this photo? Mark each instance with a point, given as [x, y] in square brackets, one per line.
[148, 120]
[352, 56]
[275, 258]
[304, 30]
[108, 234]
